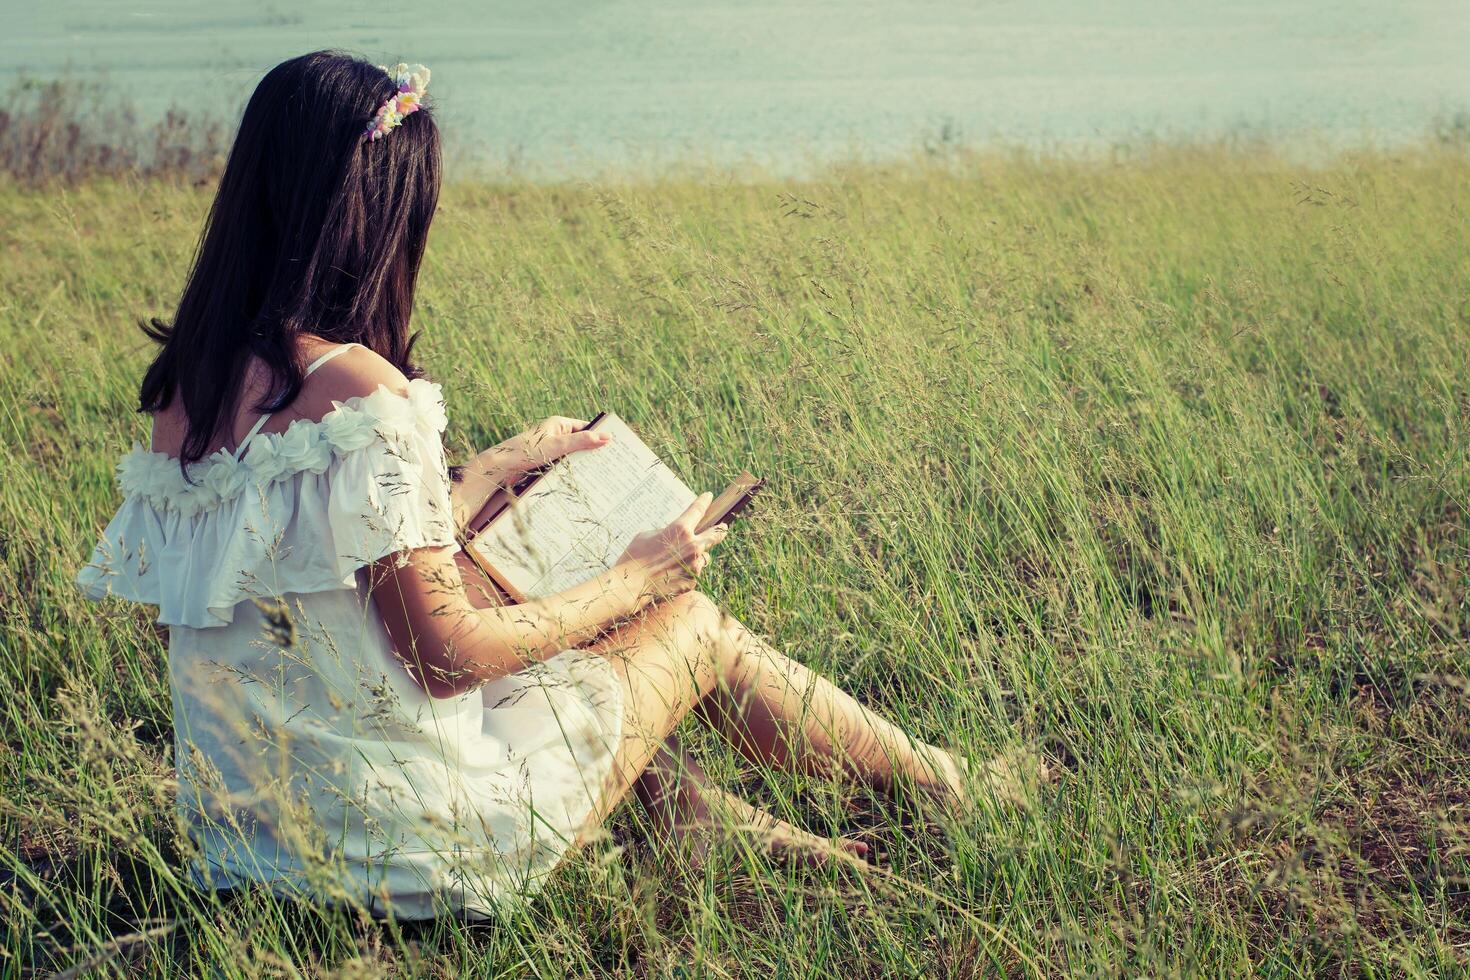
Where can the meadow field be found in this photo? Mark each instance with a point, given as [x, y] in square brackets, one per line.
[1159, 468]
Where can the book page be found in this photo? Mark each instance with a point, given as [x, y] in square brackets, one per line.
[577, 519]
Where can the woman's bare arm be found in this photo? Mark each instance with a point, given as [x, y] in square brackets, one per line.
[450, 646]
[481, 590]
[446, 642]
[502, 465]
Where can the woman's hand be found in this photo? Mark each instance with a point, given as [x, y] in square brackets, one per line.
[670, 561]
[545, 442]
[505, 464]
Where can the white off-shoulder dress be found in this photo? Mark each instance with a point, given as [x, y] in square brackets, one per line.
[307, 757]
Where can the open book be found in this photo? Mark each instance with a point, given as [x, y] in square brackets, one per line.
[572, 520]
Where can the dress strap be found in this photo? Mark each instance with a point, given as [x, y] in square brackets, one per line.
[327, 357]
[260, 422]
[254, 430]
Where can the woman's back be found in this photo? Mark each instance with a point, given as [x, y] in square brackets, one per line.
[308, 756]
[333, 372]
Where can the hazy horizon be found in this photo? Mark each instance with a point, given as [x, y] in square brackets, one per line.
[569, 87]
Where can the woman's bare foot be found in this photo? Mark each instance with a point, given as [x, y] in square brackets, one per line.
[1010, 778]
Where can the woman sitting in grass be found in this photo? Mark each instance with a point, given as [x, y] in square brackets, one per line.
[352, 721]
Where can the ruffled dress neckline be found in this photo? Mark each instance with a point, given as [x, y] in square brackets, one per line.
[298, 512]
[306, 445]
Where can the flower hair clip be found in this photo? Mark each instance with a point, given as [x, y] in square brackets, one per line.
[412, 82]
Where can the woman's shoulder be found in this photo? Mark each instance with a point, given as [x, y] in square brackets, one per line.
[353, 393]
[349, 385]
[300, 509]
[356, 405]
[356, 372]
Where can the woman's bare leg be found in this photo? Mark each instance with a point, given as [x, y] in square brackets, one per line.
[686, 808]
[662, 681]
[679, 653]
[777, 711]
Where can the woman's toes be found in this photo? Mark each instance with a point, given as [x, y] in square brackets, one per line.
[787, 843]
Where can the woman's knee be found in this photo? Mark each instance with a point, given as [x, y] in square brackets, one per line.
[722, 637]
[698, 612]
[685, 634]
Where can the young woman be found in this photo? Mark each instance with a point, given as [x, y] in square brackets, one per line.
[352, 721]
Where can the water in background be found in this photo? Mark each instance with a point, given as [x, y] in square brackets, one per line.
[563, 87]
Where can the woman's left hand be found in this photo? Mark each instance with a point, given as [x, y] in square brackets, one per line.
[545, 442]
[505, 464]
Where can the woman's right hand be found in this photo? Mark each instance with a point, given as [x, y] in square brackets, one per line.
[671, 560]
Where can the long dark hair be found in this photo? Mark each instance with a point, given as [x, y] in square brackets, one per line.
[314, 229]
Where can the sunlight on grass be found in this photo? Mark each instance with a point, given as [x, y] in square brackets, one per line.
[1160, 470]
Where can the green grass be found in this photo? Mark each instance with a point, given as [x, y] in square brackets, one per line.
[1158, 468]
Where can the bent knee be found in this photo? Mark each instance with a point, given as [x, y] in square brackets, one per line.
[698, 612]
[694, 603]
